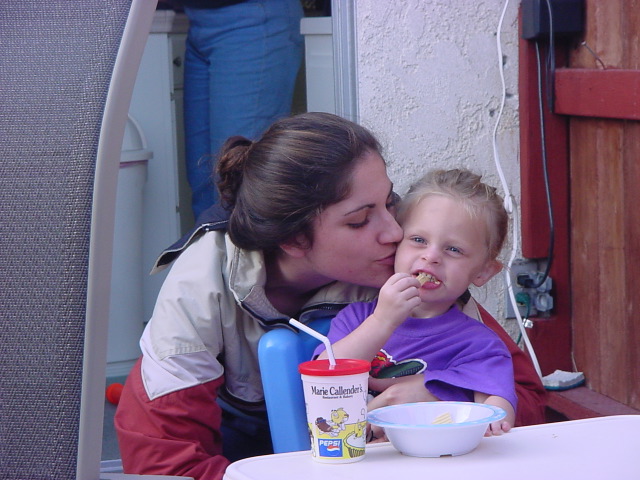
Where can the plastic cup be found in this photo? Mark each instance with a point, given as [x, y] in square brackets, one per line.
[336, 401]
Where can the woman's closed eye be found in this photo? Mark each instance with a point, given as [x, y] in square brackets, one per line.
[356, 225]
[392, 203]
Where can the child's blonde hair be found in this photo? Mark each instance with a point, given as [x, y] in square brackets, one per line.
[466, 187]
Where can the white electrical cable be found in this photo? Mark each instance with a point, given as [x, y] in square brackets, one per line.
[508, 200]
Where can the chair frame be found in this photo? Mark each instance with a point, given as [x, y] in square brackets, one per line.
[280, 351]
[109, 151]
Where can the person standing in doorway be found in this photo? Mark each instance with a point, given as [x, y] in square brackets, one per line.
[241, 63]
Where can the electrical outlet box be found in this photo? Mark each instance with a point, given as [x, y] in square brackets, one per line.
[532, 300]
[567, 17]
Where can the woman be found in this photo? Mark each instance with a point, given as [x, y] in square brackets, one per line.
[311, 228]
[240, 67]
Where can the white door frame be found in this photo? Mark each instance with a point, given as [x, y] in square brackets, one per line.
[344, 58]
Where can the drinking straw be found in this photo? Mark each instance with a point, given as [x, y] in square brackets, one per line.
[313, 333]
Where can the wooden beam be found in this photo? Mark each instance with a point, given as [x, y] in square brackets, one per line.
[609, 93]
[583, 402]
[550, 336]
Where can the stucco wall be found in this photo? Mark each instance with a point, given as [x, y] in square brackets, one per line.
[429, 86]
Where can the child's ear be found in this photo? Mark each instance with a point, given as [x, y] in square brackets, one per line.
[490, 269]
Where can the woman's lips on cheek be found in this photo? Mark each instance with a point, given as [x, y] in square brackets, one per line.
[389, 260]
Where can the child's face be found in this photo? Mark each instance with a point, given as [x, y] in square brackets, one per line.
[444, 241]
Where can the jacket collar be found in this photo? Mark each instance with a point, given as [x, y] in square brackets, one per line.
[215, 217]
[247, 278]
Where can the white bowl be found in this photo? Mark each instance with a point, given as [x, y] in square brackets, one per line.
[410, 428]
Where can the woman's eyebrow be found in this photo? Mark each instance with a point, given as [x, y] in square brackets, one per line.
[368, 205]
[363, 207]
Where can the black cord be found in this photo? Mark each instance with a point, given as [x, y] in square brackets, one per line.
[545, 173]
[551, 62]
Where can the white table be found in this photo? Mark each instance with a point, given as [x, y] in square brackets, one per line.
[596, 448]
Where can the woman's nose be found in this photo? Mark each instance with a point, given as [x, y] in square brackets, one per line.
[391, 231]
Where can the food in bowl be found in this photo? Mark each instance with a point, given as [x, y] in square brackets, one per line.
[422, 430]
[443, 418]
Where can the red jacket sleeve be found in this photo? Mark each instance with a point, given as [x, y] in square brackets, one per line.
[176, 434]
[532, 396]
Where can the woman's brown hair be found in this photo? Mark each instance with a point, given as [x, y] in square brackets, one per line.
[277, 185]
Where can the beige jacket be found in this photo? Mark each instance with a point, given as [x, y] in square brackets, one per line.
[210, 315]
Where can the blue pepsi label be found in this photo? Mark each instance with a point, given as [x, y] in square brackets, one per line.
[330, 447]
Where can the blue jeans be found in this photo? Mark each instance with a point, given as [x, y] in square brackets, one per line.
[241, 65]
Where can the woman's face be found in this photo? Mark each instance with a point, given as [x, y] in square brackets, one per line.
[355, 239]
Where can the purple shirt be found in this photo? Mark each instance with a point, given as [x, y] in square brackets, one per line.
[457, 354]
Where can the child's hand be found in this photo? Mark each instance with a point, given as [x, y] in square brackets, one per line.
[398, 297]
[376, 434]
[393, 391]
[501, 426]
[497, 428]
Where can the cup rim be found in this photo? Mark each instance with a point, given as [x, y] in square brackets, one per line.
[343, 366]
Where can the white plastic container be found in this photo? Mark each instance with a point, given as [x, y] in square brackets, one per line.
[126, 307]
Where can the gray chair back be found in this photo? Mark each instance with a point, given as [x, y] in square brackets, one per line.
[65, 87]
